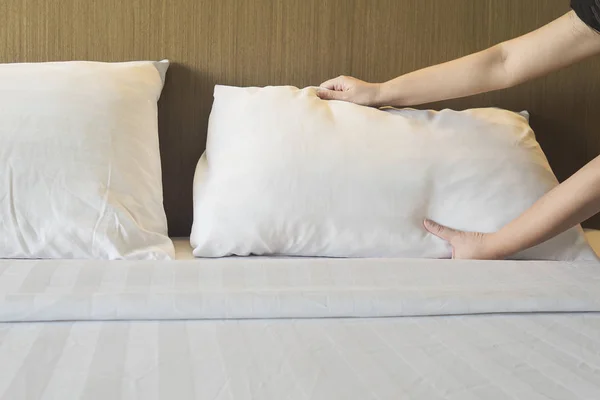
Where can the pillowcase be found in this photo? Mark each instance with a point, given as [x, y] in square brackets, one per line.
[81, 172]
[287, 173]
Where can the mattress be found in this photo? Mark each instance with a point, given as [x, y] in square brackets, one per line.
[262, 328]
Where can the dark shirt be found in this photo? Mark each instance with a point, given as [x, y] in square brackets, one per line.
[588, 11]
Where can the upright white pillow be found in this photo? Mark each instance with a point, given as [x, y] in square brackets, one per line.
[80, 172]
[287, 173]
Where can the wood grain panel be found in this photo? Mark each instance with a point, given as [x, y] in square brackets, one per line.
[300, 42]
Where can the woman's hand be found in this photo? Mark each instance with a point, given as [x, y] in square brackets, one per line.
[465, 245]
[554, 213]
[563, 42]
[352, 90]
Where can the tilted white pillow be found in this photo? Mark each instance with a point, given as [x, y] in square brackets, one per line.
[287, 173]
[81, 172]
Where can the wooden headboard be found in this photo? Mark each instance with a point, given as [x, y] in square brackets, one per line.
[300, 42]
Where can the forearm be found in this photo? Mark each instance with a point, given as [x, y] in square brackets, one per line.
[562, 42]
[567, 205]
[477, 73]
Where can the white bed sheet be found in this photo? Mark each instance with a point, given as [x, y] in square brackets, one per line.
[299, 329]
[529, 357]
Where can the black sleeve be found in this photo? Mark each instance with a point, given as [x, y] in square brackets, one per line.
[588, 11]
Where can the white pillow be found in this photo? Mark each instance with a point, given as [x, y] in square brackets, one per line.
[81, 172]
[287, 173]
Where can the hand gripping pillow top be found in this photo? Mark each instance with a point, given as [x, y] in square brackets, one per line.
[286, 173]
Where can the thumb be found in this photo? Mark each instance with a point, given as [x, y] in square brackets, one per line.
[326, 94]
[441, 231]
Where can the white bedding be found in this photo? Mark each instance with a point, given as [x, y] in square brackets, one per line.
[272, 329]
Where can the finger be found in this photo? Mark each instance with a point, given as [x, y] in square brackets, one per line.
[331, 84]
[327, 94]
[441, 231]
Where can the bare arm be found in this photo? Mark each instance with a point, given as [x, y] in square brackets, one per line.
[567, 205]
[562, 42]
[574, 201]
[570, 203]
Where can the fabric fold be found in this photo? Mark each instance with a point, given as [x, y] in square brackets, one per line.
[256, 288]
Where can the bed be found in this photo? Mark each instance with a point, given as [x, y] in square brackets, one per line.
[299, 328]
[266, 328]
